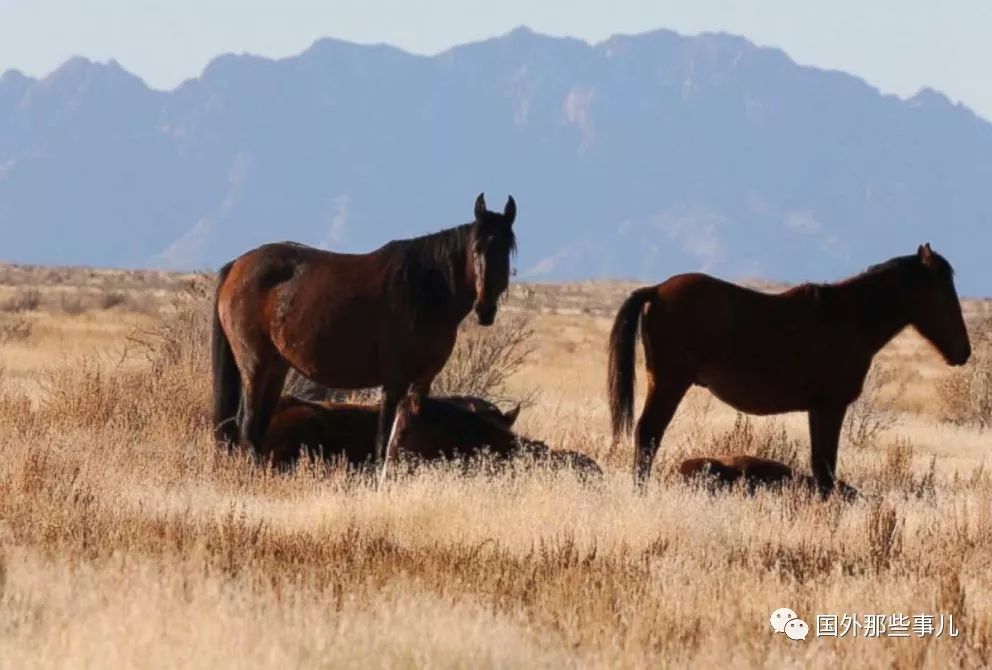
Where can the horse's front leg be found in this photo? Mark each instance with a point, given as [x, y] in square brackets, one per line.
[391, 397]
[824, 434]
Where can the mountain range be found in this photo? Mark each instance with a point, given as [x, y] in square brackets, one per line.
[634, 158]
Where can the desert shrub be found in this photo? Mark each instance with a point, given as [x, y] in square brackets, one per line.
[169, 392]
[112, 299]
[872, 413]
[301, 387]
[885, 534]
[71, 303]
[771, 440]
[182, 337]
[484, 359]
[25, 300]
[15, 329]
[896, 472]
[966, 394]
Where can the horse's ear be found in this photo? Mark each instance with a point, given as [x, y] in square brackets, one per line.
[925, 254]
[480, 207]
[512, 415]
[510, 211]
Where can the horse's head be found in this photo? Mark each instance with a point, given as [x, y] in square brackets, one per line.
[485, 409]
[937, 310]
[491, 246]
[432, 427]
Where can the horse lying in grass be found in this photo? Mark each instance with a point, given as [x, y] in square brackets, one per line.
[457, 428]
[753, 472]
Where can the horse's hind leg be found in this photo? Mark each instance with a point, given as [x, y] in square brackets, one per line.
[662, 400]
[824, 435]
[262, 388]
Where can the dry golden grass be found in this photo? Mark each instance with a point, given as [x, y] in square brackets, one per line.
[127, 541]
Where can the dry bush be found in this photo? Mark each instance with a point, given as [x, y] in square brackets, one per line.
[966, 394]
[873, 413]
[885, 533]
[771, 440]
[112, 299]
[72, 304]
[896, 472]
[300, 387]
[25, 300]
[183, 336]
[15, 329]
[169, 393]
[484, 359]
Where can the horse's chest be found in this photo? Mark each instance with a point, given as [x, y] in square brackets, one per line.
[431, 347]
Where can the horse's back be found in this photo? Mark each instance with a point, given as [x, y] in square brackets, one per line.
[765, 469]
[761, 353]
[336, 429]
[724, 305]
[715, 468]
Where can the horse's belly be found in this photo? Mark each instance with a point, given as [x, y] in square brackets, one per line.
[339, 365]
[755, 392]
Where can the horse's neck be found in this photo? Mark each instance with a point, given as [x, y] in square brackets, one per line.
[881, 306]
[464, 296]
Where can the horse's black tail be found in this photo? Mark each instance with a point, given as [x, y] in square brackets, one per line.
[621, 375]
[227, 378]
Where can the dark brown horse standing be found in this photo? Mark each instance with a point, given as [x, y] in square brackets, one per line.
[807, 349]
[387, 318]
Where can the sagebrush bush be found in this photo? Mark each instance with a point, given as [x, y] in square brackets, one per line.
[873, 413]
[24, 300]
[484, 359]
[966, 394]
[168, 391]
[771, 440]
[15, 328]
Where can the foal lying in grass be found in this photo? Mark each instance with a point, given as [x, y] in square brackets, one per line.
[753, 472]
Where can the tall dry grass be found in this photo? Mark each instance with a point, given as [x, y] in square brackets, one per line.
[127, 540]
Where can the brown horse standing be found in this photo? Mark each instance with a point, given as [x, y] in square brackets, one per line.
[807, 349]
[387, 318]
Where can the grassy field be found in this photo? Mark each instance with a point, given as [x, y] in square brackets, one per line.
[127, 541]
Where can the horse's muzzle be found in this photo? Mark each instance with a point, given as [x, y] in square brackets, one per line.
[486, 315]
[961, 357]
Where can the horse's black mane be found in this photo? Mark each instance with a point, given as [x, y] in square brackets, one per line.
[912, 261]
[908, 264]
[425, 270]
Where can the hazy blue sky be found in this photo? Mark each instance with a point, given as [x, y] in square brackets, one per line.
[896, 45]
